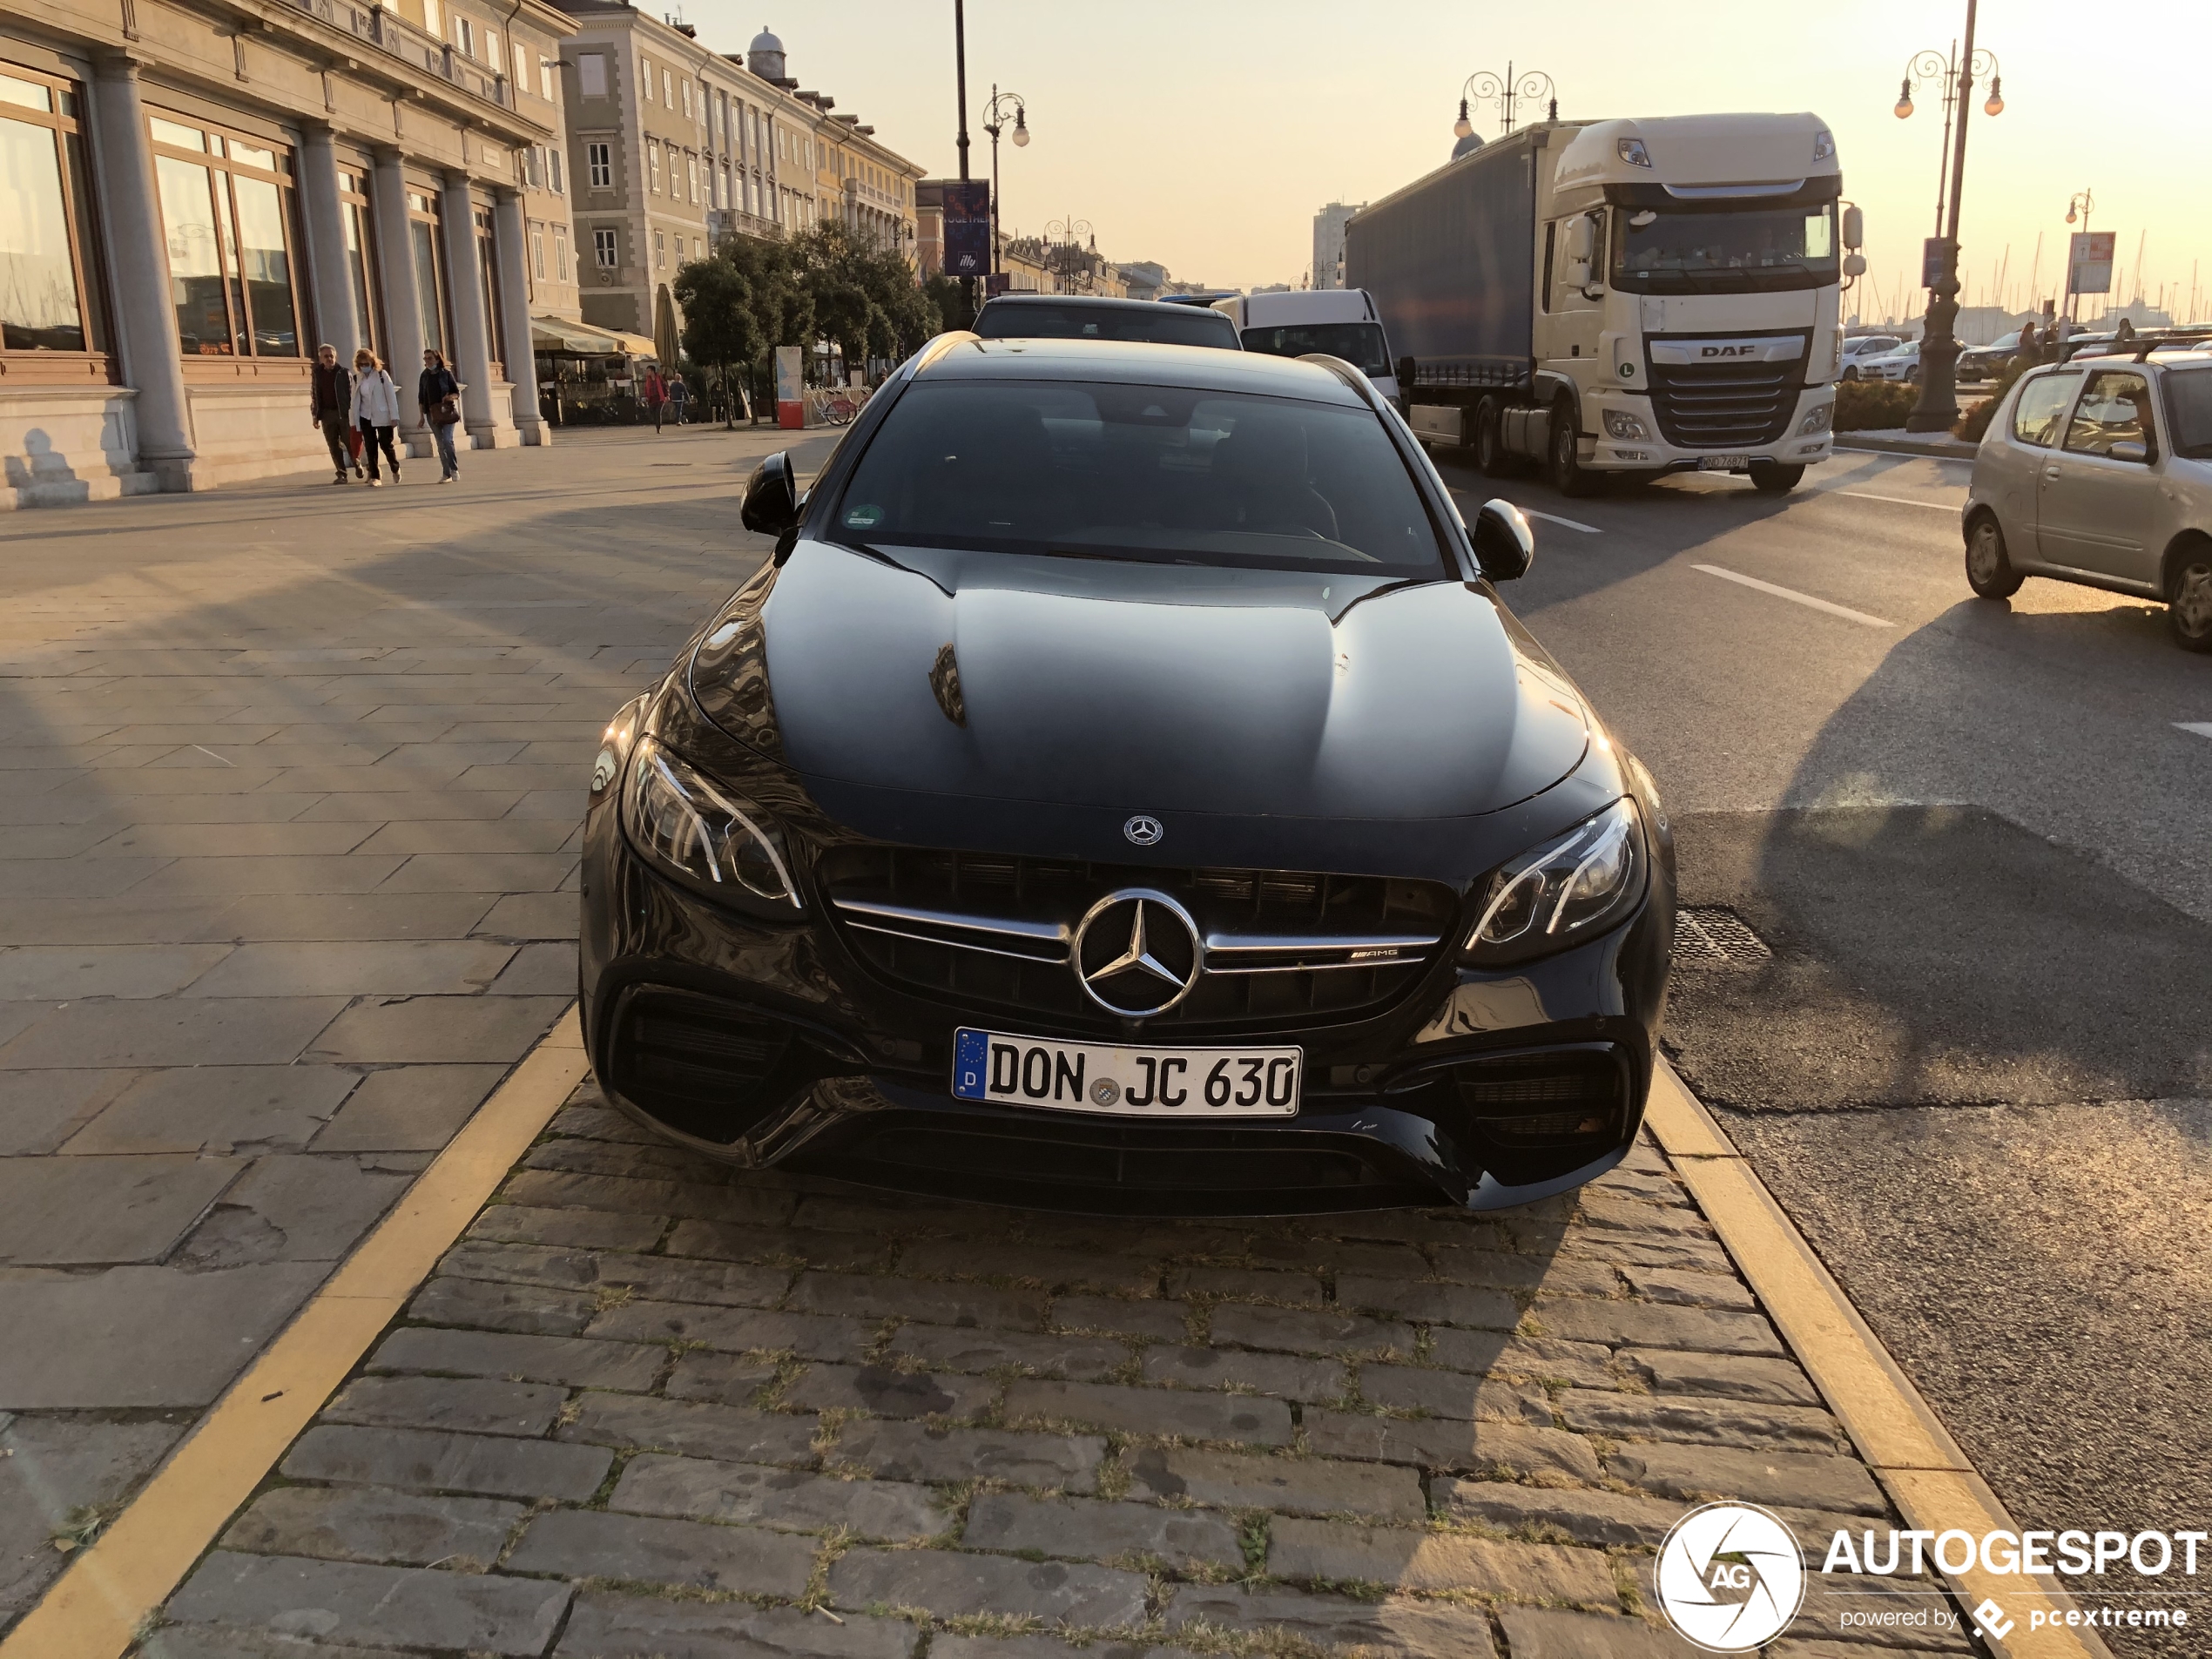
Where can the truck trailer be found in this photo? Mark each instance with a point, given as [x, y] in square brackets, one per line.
[1636, 297]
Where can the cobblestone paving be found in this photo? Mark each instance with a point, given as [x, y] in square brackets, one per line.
[648, 1408]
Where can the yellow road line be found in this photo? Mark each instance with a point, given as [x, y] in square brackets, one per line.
[93, 1611]
[1903, 1442]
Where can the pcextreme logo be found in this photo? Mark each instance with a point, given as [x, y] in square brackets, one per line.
[1731, 1577]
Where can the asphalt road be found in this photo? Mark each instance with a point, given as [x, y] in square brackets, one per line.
[1975, 1066]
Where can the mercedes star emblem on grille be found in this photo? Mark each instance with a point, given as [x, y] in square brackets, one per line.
[1137, 953]
[1144, 830]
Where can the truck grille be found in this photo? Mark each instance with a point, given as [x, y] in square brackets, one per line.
[1724, 406]
[989, 931]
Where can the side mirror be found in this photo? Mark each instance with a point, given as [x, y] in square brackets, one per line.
[1854, 228]
[1854, 265]
[1504, 545]
[1580, 240]
[771, 498]
[2129, 449]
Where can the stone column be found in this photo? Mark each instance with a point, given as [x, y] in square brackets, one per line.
[508, 238]
[336, 311]
[146, 321]
[402, 309]
[470, 351]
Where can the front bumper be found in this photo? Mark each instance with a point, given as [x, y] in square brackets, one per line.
[773, 1044]
[1653, 454]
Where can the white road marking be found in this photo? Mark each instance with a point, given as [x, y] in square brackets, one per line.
[1844, 611]
[1894, 501]
[205, 750]
[1554, 518]
[2203, 728]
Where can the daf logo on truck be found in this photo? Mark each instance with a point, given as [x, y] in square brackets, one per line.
[1663, 298]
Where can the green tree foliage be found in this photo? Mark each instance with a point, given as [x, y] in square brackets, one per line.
[1975, 422]
[953, 311]
[866, 301]
[1864, 406]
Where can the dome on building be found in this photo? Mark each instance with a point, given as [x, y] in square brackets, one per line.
[1468, 145]
[765, 58]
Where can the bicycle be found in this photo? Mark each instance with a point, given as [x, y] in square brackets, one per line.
[839, 411]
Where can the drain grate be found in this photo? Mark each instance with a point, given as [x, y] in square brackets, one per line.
[1710, 935]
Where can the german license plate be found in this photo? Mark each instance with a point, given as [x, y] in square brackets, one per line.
[1722, 463]
[1125, 1081]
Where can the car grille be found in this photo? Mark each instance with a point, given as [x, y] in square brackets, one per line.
[1282, 948]
[1720, 406]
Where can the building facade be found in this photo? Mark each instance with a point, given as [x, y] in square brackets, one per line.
[673, 145]
[196, 194]
[1328, 243]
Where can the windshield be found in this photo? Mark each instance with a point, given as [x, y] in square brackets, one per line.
[2189, 411]
[1156, 473]
[1730, 251]
[1360, 344]
[1162, 326]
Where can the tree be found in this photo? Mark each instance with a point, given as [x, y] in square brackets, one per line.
[865, 297]
[950, 298]
[720, 325]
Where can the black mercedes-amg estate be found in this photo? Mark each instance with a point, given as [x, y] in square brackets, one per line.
[1123, 789]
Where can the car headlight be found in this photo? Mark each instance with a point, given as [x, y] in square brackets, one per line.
[684, 823]
[1564, 891]
[1619, 423]
[1817, 420]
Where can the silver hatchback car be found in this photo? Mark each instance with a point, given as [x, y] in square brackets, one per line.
[2100, 471]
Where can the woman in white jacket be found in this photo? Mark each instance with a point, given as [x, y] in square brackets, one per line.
[376, 411]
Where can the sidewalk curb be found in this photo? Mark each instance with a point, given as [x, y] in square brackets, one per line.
[1904, 1444]
[95, 1609]
[1936, 448]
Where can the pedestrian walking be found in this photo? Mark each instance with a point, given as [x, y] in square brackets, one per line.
[2026, 354]
[330, 406]
[438, 395]
[655, 394]
[678, 392]
[376, 412]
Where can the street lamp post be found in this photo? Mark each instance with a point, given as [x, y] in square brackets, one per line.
[959, 68]
[1484, 87]
[1939, 404]
[993, 123]
[2083, 203]
[1071, 232]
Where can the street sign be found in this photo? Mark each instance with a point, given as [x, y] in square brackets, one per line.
[1935, 261]
[790, 386]
[968, 228]
[2088, 267]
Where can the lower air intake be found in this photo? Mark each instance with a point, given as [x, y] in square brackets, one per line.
[703, 1065]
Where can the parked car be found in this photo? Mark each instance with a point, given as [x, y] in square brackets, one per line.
[1075, 316]
[1989, 363]
[1859, 347]
[2100, 473]
[1125, 788]
[1903, 364]
[1336, 322]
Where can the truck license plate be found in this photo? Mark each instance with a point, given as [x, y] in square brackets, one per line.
[1125, 1081]
[1722, 463]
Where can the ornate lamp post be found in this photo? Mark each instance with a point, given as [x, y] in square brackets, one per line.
[993, 124]
[1071, 232]
[1484, 87]
[1939, 404]
[2084, 204]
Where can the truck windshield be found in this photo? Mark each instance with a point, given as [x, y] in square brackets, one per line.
[1729, 251]
[1359, 344]
[1160, 474]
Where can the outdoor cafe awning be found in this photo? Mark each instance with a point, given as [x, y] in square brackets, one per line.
[559, 334]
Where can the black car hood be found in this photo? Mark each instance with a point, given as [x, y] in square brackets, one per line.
[1156, 688]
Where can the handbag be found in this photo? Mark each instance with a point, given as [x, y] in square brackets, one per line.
[448, 413]
[354, 442]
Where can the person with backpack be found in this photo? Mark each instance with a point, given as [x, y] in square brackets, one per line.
[438, 395]
[654, 394]
[330, 406]
[376, 412]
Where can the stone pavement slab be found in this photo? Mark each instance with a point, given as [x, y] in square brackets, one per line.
[1147, 1500]
[292, 791]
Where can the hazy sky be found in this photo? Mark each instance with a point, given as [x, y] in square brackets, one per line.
[1205, 135]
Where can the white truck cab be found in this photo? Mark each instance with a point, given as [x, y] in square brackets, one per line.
[1341, 322]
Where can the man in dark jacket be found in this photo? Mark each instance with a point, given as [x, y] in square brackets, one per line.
[330, 404]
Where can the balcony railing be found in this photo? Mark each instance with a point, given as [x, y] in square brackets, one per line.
[731, 221]
[393, 33]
